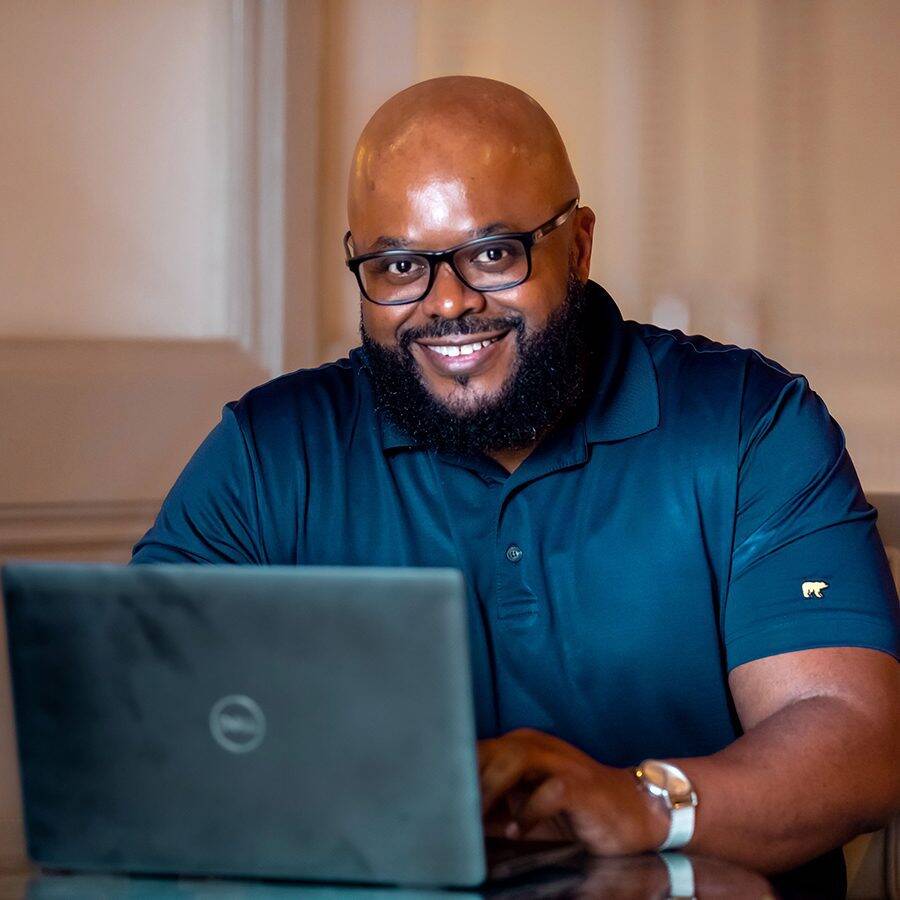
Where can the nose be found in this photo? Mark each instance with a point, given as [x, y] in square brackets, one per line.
[449, 298]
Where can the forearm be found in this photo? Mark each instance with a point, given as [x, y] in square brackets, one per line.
[816, 766]
[806, 779]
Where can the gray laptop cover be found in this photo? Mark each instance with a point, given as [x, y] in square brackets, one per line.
[311, 723]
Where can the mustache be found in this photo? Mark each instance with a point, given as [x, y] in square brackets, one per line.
[443, 328]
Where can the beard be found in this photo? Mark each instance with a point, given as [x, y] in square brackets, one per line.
[550, 379]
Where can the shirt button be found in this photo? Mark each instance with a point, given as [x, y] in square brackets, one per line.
[514, 553]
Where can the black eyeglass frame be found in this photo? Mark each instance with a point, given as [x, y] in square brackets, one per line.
[435, 257]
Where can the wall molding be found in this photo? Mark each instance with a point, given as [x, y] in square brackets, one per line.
[256, 181]
[77, 356]
[101, 531]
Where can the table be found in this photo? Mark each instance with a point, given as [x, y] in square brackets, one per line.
[645, 877]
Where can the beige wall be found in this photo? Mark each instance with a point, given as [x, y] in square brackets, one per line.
[113, 168]
[141, 225]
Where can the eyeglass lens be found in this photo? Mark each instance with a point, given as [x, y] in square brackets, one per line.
[492, 265]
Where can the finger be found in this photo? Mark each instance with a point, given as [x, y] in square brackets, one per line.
[549, 800]
[500, 815]
[521, 740]
[486, 750]
[499, 776]
[512, 769]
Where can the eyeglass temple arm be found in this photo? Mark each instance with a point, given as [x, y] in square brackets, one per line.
[544, 230]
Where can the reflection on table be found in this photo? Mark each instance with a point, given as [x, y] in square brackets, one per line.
[589, 877]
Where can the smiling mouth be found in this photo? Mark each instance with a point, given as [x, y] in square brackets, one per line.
[462, 356]
[451, 350]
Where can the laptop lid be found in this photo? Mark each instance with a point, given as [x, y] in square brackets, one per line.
[298, 722]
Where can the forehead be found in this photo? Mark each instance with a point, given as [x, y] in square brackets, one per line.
[430, 192]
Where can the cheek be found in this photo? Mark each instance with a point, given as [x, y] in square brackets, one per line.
[537, 303]
[382, 322]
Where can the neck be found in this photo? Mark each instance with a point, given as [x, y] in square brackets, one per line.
[511, 459]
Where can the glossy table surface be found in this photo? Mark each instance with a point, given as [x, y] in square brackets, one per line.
[637, 877]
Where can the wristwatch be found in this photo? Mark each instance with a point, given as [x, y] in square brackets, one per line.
[664, 780]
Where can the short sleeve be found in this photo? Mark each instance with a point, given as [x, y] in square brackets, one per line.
[209, 515]
[808, 568]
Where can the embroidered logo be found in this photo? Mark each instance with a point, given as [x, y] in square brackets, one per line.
[813, 588]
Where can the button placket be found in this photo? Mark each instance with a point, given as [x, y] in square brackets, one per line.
[517, 606]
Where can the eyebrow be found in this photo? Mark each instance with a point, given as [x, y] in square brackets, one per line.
[389, 242]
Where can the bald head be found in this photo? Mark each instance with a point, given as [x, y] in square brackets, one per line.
[439, 145]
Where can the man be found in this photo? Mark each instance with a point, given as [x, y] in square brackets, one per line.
[639, 514]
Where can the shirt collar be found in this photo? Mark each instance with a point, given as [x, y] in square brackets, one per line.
[392, 437]
[626, 402]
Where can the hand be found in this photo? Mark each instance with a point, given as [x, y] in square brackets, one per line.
[534, 785]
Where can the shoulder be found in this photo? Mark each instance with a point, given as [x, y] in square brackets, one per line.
[305, 400]
[777, 429]
[675, 352]
[722, 376]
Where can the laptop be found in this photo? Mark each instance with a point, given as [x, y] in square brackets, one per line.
[309, 723]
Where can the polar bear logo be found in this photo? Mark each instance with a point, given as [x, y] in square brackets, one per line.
[813, 588]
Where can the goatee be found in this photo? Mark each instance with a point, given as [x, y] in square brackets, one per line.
[552, 377]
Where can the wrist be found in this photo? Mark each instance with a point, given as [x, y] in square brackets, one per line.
[667, 783]
[656, 816]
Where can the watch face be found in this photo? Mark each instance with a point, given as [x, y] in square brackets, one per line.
[676, 783]
[666, 777]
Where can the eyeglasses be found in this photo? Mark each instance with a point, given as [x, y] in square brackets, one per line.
[493, 263]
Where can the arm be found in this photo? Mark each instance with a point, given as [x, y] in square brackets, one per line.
[817, 764]
[209, 515]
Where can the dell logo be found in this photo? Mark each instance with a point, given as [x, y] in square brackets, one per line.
[237, 723]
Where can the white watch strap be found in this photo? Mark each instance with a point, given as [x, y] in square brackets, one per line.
[681, 874]
[681, 827]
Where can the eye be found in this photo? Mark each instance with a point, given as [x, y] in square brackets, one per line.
[493, 254]
[496, 256]
[400, 267]
[396, 268]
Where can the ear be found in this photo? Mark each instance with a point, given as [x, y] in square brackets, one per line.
[583, 242]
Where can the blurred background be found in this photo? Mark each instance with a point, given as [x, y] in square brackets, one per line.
[172, 189]
[172, 202]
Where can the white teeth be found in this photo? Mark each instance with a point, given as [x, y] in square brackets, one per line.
[465, 349]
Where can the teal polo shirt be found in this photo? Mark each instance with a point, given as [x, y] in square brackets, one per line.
[641, 552]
